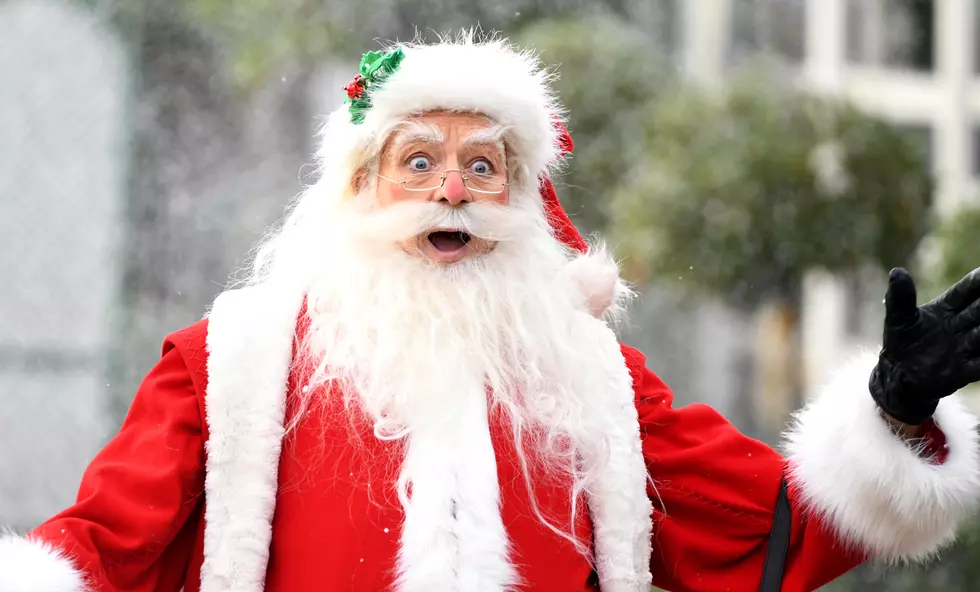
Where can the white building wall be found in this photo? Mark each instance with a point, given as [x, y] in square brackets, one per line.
[62, 159]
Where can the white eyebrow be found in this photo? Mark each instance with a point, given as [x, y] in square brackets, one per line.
[417, 131]
[493, 136]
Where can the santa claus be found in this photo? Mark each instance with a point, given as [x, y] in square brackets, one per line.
[417, 390]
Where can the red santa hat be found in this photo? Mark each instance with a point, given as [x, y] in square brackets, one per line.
[564, 229]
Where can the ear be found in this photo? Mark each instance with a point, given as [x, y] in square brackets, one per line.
[359, 180]
[596, 274]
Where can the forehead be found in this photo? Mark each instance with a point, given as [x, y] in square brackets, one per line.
[442, 126]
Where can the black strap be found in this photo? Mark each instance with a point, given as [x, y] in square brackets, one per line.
[782, 522]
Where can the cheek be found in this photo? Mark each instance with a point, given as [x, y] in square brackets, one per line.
[385, 193]
[501, 199]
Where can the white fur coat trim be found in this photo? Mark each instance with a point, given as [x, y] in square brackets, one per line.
[250, 344]
[453, 537]
[250, 350]
[873, 488]
[35, 566]
[622, 513]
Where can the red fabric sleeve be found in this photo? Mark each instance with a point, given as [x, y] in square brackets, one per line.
[714, 500]
[138, 492]
[934, 445]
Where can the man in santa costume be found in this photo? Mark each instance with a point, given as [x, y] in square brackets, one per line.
[417, 390]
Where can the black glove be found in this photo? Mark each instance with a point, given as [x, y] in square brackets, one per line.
[928, 352]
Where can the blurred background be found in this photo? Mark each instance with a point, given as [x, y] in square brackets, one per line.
[758, 165]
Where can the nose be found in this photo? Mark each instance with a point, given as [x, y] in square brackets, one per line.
[453, 191]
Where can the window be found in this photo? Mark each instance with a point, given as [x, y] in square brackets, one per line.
[855, 23]
[891, 33]
[788, 26]
[768, 26]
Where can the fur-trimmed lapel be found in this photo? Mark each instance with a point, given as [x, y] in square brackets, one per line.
[622, 513]
[250, 350]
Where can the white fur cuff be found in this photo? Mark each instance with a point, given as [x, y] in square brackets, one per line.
[872, 487]
[36, 566]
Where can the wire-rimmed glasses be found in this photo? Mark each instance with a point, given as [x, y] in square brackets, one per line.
[430, 181]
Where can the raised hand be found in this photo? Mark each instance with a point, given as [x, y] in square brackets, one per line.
[928, 351]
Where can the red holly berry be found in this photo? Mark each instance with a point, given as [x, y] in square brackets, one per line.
[355, 88]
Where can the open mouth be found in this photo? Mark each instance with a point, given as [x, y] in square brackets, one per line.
[448, 241]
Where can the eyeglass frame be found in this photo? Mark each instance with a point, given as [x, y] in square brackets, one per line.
[442, 181]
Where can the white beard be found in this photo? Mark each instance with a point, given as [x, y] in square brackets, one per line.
[407, 342]
[401, 336]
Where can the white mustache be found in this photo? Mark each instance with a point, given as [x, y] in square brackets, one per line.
[408, 220]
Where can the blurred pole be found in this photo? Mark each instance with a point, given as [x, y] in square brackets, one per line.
[825, 44]
[823, 334]
[706, 39]
[954, 19]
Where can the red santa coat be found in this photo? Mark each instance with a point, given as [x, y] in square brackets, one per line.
[200, 491]
[138, 522]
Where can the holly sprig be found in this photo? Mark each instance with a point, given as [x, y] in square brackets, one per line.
[375, 68]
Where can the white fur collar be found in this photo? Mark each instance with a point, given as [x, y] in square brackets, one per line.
[249, 362]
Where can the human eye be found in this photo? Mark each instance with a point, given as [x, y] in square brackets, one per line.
[419, 163]
[481, 166]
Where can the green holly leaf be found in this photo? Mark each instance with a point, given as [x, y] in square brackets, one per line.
[375, 67]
